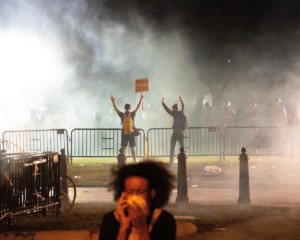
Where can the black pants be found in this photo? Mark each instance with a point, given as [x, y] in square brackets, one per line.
[176, 136]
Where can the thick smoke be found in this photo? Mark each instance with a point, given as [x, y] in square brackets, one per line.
[97, 58]
[96, 52]
[85, 53]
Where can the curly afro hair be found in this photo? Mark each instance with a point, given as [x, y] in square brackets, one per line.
[157, 174]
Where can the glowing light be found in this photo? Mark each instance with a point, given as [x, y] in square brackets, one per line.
[26, 60]
[29, 66]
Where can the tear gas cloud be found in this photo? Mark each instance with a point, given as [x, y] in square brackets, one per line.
[61, 65]
[63, 60]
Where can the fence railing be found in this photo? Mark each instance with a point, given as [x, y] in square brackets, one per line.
[105, 142]
[35, 140]
[102, 142]
[198, 141]
[269, 141]
[29, 182]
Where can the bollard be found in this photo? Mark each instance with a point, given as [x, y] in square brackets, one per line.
[63, 170]
[121, 157]
[244, 188]
[182, 190]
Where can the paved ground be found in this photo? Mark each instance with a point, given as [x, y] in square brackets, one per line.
[282, 224]
[259, 197]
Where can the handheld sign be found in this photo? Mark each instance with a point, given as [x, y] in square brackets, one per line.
[141, 85]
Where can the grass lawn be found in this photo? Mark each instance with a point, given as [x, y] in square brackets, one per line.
[95, 172]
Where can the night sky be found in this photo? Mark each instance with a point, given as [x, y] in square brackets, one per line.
[224, 24]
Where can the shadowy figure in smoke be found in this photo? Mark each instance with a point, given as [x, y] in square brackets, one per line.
[292, 134]
[179, 125]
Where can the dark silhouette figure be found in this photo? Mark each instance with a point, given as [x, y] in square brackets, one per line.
[278, 114]
[121, 157]
[182, 190]
[244, 188]
[228, 115]
[208, 115]
[179, 125]
[292, 134]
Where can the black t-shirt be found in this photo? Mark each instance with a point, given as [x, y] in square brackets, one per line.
[163, 229]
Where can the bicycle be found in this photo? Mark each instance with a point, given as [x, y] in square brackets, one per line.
[67, 193]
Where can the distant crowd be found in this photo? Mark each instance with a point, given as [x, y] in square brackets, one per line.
[254, 114]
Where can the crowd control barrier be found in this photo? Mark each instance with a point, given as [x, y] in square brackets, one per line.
[102, 142]
[262, 141]
[106, 142]
[35, 140]
[29, 183]
[198, 141]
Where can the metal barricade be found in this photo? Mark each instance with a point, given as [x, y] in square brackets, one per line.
[263, 141]
[198, 141]
[35, 140]
[29, 183]
[101, 142]
[105, 142]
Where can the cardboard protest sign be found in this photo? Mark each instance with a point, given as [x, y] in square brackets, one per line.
[141, 85]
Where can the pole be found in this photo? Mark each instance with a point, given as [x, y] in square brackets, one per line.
[182, 190]
[244, 188]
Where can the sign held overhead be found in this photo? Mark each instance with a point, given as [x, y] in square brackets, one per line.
[141, 85]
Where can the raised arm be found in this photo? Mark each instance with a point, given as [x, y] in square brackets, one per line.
[139, 103]
[168, 110]
[113, 100]
[182, 104]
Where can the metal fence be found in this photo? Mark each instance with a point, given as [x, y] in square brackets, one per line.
[105, 142]
[263, 141]
[198, 141]
[35, 141]
[29, 182]
[102, 142]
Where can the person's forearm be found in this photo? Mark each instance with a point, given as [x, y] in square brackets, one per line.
[139, 104]
[167, 109]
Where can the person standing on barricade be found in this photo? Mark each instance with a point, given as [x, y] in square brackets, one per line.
[179, 125]
[127, 121]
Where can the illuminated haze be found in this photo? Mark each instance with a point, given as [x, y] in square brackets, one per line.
[63, 59]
